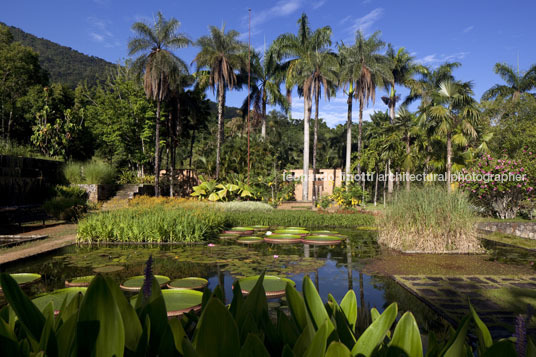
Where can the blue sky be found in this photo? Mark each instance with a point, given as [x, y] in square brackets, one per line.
[476, 33]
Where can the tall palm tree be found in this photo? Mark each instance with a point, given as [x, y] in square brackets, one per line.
[453, 113]
[297, 52]
[368, 69]
[516, 83]
[402, 67]
[346, 78]
[160, 67]
[425, 87]
[222, 54]
[266, 78]
[406, 123]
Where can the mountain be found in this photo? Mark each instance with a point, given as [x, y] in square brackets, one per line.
[64, 64]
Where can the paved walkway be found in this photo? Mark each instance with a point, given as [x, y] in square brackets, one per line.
[59, 236]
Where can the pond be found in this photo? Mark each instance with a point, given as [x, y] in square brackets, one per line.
[333, 269]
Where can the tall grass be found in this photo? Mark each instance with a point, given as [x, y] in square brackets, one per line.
[239, 206]
[13, 149]
[155, 224]
[93, 172]
[431, 220]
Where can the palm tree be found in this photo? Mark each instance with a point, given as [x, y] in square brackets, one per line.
[266, 78]
[160, 67]
[222, 54]
[425, 87]
[298, 51]
[406, 123]
[453, 113]
[368, 69]
[346, 78]
[516, 83]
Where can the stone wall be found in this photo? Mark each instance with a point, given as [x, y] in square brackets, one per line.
[520, 229]
[27, 181]
[98, 193]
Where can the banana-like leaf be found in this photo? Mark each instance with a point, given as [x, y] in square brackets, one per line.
[28, 314]
[314, 305]
[213, 197]
[337, 349]
[304, 340]
[456, 345]
[99, 305]
[374, 314]
[376, 332]
[253, 347]
[484, 337]
[297, 306]
[319, 342]
[216, 339]
[48, 342]
[66, 336]
[407, 336]
[349, 307]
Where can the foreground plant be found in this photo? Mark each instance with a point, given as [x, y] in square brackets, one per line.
[103, 323]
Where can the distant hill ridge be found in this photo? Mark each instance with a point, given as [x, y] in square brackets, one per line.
[64, 64]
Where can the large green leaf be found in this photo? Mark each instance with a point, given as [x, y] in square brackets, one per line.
[376, 332]
[99, 305]
[217, 333]
[314, 305]
[28, 314]
[503, 348]
[407, 336]
[255, 304]
[349, 307]
[319, 342]
[253, 347]
[47, 341]
[213, 197]
[178, 332]
[456, 345]
[66, 336]
[337, 349]
[297, 306]
[484, 337]
[304, 341]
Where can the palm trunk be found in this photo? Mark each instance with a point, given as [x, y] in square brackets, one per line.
[376, 186]
[263, 127]
[408, 183]
[221, 106]
[392, 105]
[157, 151]
[171, 153]
[306, 119]
[349, 136]
[359, 136]
[449, 156]
[315, 142]
[385, 182]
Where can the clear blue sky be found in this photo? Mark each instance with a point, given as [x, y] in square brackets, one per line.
[476, 33]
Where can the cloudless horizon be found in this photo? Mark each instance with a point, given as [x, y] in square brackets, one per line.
[476, 33]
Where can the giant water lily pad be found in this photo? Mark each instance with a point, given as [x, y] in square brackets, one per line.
[283, 238]
[179, 301]
[322, 240]
[274, 286]
[301, 232]
[136, 282]
[80, 281]
[25, 278]
[249, 240]
[229, 236]
[324, 232]
[57, 297]
[188, 283]
[108, 269]
[260, 228]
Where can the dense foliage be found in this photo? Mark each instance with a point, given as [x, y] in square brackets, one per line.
[103, 322]
[68, 203]
[428, 219]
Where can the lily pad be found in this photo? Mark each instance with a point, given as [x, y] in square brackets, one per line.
[179, 301]
[260, 228]
[249, 240]
[188, 283]
[292, 231]
[109, 269]
[136, 282]
[274, 286]
[57, 297]
[283, 238]
[81, 281]
[324, 232]
[322, 240]
[25, 278]
[228, 236]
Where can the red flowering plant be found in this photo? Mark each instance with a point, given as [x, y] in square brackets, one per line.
[499, 186]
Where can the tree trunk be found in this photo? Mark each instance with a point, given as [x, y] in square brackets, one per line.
[449, 156]
[385, 182]
[171, 153]
[263, 127]
[157, 151]
[359, 136]
[315, 142]
[306, 131]
[376, 186]
[349, 136]
[392, 105]
[221, 106]
[408, 183]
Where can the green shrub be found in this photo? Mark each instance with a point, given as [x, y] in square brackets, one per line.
[14, 149]
[69, 203]
[93, 172]
[104, 323]
[429, 219]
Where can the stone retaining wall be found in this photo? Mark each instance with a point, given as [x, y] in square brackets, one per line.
[520, 229]
[98, 193]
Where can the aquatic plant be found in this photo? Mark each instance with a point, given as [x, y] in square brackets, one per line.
[429, 220]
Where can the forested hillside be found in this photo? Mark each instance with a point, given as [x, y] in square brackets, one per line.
[65, 65]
